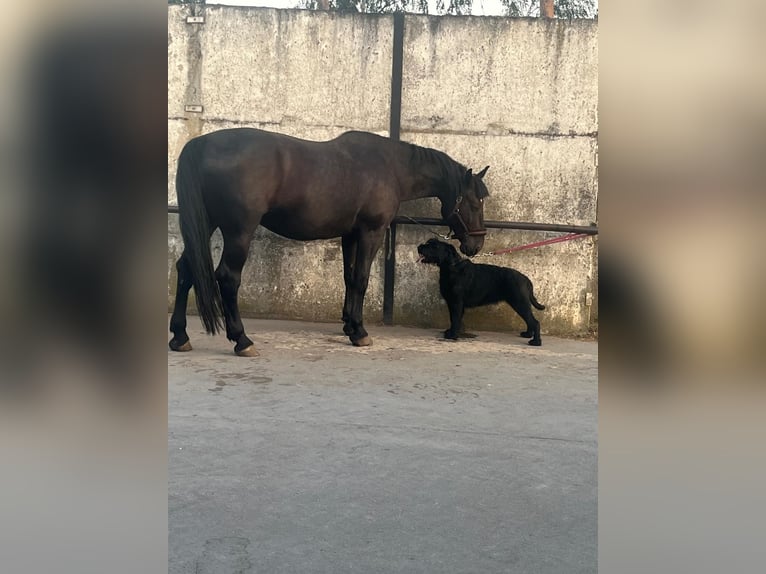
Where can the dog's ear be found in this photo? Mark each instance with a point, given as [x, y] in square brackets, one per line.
[482, 172]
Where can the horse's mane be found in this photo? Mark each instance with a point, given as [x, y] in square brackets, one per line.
[449, 172]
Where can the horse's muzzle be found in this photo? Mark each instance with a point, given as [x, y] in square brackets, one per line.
[471, 245]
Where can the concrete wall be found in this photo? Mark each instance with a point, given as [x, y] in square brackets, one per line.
[517, 94]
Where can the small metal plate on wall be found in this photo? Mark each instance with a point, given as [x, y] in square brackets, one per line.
[193, 108]
[195, 19]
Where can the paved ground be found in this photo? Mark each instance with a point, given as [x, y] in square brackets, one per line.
[416, 455]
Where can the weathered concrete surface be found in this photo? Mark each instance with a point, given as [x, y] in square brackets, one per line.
[519, 95]
[500, 75]
[413, 455]
[268, 65]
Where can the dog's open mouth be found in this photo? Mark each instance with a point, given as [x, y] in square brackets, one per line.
[425, 259]
[427, 254]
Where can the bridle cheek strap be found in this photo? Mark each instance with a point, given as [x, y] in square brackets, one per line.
[465, 231]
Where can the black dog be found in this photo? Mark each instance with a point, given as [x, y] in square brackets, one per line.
[464, 284]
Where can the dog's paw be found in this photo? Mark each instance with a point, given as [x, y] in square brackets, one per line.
[535, 342]
[527, 334]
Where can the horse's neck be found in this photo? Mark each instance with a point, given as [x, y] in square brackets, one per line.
[419, 188]
[419, 181]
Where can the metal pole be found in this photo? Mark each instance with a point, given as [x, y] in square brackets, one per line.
[394, 130]
[395, 111]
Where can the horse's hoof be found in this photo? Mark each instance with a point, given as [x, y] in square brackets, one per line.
[535, 343]
[247, 352]
[174, 346]
[527, 334]
[363, 342]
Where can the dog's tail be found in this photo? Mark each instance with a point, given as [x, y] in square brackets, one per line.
[534, 301]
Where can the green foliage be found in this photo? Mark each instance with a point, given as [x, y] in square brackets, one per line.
[515, 8]
[561, 8]
[456, 7]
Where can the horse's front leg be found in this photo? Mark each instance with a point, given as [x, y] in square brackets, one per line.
[349, 243]
[367, 246]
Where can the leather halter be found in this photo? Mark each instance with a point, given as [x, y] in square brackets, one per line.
[456, 214]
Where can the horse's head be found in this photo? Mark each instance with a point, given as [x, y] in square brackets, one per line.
[466, 216]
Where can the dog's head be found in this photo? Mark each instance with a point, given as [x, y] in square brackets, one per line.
[435, 252]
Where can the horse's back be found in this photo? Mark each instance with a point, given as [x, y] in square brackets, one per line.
[364, 142]
[235, 141]
[301, 189]
[242, 135]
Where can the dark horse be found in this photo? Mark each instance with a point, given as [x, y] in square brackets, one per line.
[349, 187]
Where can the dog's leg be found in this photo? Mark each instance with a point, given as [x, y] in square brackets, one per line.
[533, 325]
[456, 311]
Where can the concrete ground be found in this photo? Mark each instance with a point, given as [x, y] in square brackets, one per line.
[415, 455]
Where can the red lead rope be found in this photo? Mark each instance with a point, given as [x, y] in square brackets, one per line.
[568, 237]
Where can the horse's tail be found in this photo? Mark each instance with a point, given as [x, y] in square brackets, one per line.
[534, 301]
[195, 230]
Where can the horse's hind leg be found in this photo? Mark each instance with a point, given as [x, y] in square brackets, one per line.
[180, 340]
[229, 276]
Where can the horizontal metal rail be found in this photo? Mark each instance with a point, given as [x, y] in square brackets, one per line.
[490, 224]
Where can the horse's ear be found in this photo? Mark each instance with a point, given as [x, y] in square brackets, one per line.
[468, 175]
[482, 172]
